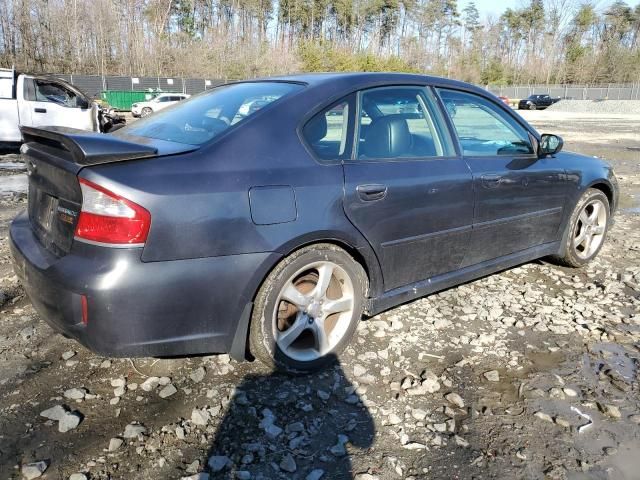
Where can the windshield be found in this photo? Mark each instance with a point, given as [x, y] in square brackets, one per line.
[205, 116]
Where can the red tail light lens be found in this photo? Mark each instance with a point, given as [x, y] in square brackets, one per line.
[109, 218]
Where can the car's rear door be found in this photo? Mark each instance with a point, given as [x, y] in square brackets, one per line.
[406, 189]
[519, 198]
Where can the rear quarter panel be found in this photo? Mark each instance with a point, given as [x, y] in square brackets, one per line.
[200, 202]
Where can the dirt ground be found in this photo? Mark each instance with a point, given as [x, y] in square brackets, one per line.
[531, 373]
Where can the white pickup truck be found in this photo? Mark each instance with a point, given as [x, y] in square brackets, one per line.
[35, 101]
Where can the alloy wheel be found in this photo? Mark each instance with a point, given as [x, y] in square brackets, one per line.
[590, 229]
[313, 311]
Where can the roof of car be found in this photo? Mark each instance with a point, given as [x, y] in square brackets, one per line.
[317, 79]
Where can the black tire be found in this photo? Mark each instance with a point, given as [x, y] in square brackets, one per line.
[568, 255]
[262, 341]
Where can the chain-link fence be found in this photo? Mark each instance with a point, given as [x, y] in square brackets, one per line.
[94, 85]
[630, 91]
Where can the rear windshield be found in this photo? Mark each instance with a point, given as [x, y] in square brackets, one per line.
[205, 116]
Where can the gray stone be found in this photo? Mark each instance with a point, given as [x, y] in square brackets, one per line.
[115, 443]
[133, 430]
[200, 417]
[288, 464]
[198, 374]
[455, 399]
[75, 393]
[68, 355]
[54, 413]
[78, 476]
[218, 463]
[492, 376]
[69, 421]
[150, 383]
[315, 474]
[34, 470]
[167, 391]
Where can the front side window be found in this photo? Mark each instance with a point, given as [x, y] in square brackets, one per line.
[483, 128]
[52, 92]
[203, 117]
[327, 133]
[399, 122]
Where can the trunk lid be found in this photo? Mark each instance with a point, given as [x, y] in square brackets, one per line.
[54, 156]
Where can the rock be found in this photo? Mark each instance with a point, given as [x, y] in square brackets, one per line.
[570, 392]
[26, 333]
[218, 463]
[562, 422]
[610, 451]
[200, 417]
[635, 418]
[118, 382]
[68, 355]
[75, 393]
[455, 399]
[322, 395]
[492, 376]
[544, 416]
[197, 476]
[339, 449]
[393, 419]
[54, 413]
[115, 443]
[198, 375]
[612, 411]
[78, 476]
[167, 391]
[34, 470]
[315, 474]
[461, 442]
[430, 382]
[69, 421]
[365, 476]
[288, 464]
[359, 370]
[133, 430]
[164, 381]
[118, 392]
[150, 383]
[243, 475]
[272, 431]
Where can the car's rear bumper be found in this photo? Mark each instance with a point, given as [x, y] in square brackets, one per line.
[135, 308]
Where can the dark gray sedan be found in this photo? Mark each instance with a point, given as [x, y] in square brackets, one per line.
[213, 227]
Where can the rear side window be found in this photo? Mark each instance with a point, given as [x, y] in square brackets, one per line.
[328, 133]
[203, 117]
[400, 122]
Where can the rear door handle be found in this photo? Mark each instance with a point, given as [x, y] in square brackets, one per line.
[40, 110]
[370, 193]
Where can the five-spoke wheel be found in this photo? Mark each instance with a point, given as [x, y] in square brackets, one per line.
[308, 308]
[587, 229]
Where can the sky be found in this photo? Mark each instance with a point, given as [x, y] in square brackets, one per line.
[496, 7]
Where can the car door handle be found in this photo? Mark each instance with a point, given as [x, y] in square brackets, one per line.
[492, 180]
[370, 193]
[40, 110]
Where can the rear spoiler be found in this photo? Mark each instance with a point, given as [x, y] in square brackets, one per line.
[88, 148]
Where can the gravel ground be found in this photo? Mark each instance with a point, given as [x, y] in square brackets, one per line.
[530, 373]
[597, 106]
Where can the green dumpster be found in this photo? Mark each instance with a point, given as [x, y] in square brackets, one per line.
[123, 99]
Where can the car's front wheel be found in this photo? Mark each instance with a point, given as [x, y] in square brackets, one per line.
[146, 111]
[587, 228]
[307, 309]
[532, 106]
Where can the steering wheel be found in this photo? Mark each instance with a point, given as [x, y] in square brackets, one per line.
[214, 125]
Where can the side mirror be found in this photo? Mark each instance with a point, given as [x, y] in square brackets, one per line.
[549, 144]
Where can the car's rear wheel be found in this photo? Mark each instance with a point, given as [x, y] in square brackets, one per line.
[588, 227]
[146, 111]
[307, 309]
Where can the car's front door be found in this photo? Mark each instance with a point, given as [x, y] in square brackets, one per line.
[519, 198]
[52, 103]
[406, 189]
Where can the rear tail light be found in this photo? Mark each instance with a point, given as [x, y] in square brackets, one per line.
[109, 218]
[85, 310]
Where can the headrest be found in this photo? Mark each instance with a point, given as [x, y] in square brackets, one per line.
[316, 129]
[387, 137]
